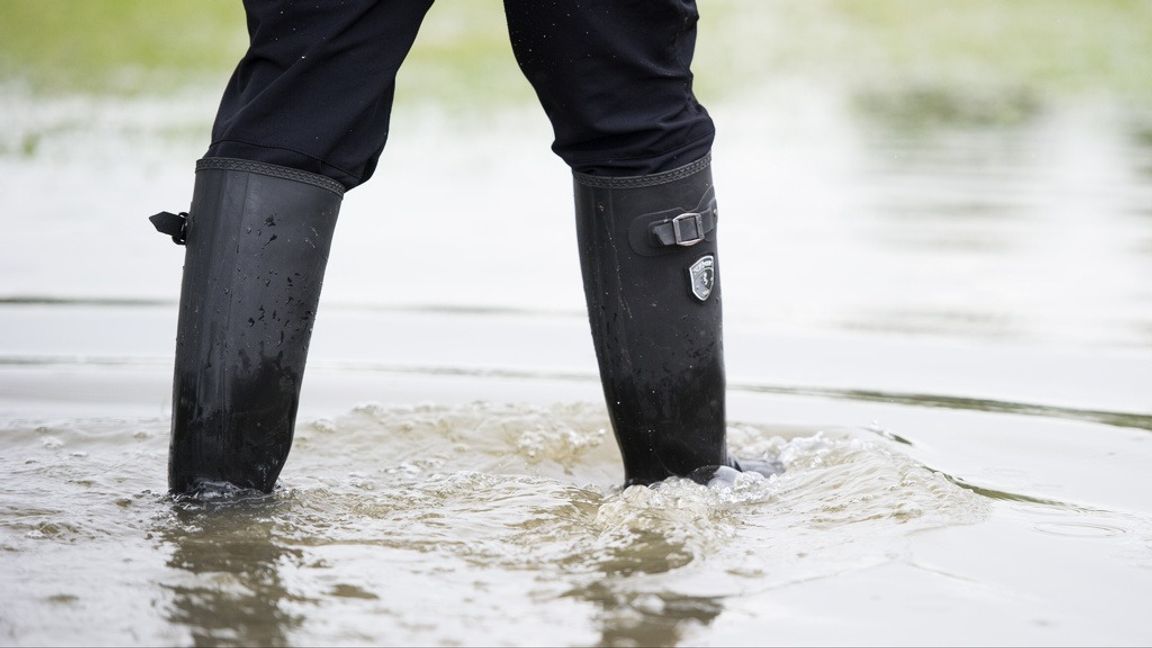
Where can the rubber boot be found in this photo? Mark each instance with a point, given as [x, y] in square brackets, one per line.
[257, 241]
[652, 283]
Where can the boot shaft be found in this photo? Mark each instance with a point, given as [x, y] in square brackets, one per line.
[257, 242]
[651, 281]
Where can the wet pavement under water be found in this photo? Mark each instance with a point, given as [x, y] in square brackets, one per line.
[944, 332]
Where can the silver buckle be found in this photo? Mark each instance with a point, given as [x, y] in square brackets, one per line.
[678, 226]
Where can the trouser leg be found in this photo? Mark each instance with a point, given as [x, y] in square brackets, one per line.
[614, 78]
[314, 90]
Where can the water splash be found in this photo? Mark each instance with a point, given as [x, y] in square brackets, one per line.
[462, 501]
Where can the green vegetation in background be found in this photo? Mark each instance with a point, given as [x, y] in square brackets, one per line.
[926, 50]
[1074, 45]
[118, 46]
[127, 47]
[981, 62]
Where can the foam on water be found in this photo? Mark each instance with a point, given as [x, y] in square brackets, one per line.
[510, 514]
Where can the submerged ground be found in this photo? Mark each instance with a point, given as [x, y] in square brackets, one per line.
[937, 250]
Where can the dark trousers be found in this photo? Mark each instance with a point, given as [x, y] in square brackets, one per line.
[315, 89]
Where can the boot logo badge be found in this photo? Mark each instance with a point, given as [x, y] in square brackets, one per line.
[702, 276]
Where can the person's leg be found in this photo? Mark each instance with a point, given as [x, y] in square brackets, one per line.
[314, 91]
[614, 78]
[304, 117]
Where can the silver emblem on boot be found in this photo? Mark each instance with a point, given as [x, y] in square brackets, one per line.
[702, 276]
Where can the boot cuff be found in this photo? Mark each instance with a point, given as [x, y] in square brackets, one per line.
[272, 170]
[635, 182]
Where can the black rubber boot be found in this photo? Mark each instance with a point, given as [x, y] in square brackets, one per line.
[651, 279]
[257, 244]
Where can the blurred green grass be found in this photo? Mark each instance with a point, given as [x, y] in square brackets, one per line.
[878, 49]
[117, 46]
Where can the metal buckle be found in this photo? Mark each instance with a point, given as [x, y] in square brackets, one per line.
[678, 226]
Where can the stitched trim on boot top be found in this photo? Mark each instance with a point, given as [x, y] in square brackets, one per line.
[633, 182]
[273, 170]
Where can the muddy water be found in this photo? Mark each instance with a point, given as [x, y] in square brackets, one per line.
[486, 523]
[436, 524]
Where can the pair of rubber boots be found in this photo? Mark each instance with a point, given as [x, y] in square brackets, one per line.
[258, 237]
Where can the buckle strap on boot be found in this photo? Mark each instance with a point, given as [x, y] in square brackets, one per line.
[687, 229]
[665, 232]
[174, 225]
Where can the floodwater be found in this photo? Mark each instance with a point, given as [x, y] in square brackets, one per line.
[943, 330]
